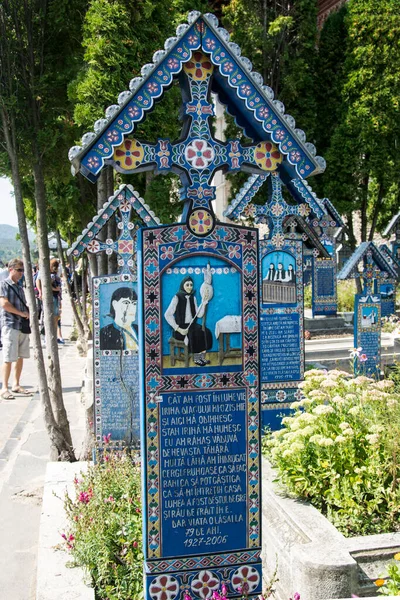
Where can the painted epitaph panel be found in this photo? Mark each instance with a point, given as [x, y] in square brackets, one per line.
[367, 334]
[200, 425]
[324, 286]
[116, 361]
[281, 326]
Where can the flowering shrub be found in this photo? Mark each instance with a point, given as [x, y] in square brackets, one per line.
[105, 527]
[391, 324]
[390, 586]
[340, 450]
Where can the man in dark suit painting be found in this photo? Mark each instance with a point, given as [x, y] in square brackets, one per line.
[122, 333]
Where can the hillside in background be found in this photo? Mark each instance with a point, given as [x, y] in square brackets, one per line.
[10, 246]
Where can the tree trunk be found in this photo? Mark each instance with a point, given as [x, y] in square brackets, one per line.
[364, 206]
[60, 444]
[350, 227]
[376, 210]
[102, 197]
[78, 322]
[54, 371]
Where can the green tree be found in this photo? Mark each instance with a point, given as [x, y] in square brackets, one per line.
[39, 46]
[362, 155]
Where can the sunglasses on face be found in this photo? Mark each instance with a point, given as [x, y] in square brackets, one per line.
[19, 270]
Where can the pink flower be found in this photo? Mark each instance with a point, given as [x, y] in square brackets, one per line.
[107, 438]
[363, 358]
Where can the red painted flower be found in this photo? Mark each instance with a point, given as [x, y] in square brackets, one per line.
[129, 154]
[200, 221]
[204, 584]
[245, 578]
[199, 67]
[267, 156]
[199, 154]
[164, 587]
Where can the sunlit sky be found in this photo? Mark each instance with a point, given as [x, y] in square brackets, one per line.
[8, 213]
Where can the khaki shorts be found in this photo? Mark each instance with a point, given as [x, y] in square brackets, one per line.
[15, 344]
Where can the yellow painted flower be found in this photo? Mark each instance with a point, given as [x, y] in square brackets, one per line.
[397, 556]
[379, 582]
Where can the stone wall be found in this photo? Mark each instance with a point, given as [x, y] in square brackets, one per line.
[310, 554]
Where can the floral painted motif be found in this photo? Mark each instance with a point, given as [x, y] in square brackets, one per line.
[234, 251]
[245, 578]
[276, 209]
[304, 210]
[199, 154]
[200, 67]
[129, 154]
[280, 395]
[267, 156]
[93, 246]
[167, 253]
[204, 584]
[200, 222]
[278, 240]
[164, 587]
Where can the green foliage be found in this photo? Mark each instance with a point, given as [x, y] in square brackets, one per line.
[340, 451]
[359, 109]
[345, 293]
[390, 586]
[105, 527]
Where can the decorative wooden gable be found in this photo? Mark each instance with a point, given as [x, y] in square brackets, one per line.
[205, 61]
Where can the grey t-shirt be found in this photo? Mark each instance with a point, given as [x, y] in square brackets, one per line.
[9, 289]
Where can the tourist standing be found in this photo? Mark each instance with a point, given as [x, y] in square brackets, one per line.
[14, 319]
[56, 289]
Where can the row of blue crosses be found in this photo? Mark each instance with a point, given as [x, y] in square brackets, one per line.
[198, 155]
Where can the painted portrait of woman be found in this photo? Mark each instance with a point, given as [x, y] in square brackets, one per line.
[182, 315]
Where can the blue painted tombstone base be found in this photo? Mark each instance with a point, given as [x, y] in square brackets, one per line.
[116, 361]
[200, 423]
[367, 333]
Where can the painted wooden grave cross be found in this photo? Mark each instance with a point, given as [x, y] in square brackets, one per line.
[324, 270]
[387, 289]
[198, 304]
[281, 296]
[371, 266]
[394, 228]
[115, 321]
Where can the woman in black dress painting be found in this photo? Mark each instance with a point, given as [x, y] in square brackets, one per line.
[182, 315]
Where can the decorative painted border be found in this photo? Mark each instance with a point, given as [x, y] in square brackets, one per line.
[201, 562]
[223, 239]
[97, 282]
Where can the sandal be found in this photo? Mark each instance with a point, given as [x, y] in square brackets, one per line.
[7, 395]
[21, 391]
